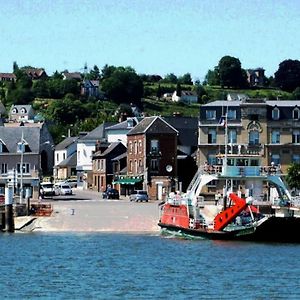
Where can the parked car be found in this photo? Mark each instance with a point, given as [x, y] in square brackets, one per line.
[72, 182]
[47, 189]
[139, 195]
[111, 193]
[63, 189]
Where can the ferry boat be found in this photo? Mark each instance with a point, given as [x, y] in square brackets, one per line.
[255, 203]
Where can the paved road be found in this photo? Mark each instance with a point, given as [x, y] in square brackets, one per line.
[86, 211]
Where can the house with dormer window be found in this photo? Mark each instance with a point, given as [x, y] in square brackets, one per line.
[262, 127]
[21, 113]
[36, 144]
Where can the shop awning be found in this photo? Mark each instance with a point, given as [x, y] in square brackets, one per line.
[127, 181]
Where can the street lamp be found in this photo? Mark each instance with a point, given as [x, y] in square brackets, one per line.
[21, 149]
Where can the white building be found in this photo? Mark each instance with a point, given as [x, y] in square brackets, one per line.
[118, 132]
[63, 151]
[86, 146]
[186, 96]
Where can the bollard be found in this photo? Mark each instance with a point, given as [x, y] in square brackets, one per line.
[9, 217]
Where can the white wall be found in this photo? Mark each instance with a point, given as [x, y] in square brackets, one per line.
[84, 155]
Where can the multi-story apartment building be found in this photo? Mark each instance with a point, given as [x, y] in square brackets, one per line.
[270, 129]
[152, 156]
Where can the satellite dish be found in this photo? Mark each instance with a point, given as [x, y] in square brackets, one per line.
[169, 168]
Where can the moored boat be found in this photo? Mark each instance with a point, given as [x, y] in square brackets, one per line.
[255, 203]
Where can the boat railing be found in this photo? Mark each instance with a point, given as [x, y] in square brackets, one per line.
[237, 171]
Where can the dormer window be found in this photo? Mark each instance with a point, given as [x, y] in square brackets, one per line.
[14, 110]
[275, 113]
[231, 115]
[210, 115]
[3, 147]
[296, 113]
[23, 110]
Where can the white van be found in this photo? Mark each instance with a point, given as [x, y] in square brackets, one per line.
[46, 189]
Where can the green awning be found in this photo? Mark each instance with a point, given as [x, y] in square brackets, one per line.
[127, 181]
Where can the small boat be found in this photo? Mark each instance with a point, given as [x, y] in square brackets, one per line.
[255, 203]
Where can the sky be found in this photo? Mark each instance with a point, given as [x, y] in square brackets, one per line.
[152, 36]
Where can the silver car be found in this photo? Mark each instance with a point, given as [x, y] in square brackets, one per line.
[139, 195]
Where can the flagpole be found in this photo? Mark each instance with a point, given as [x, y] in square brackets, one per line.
[21, 168]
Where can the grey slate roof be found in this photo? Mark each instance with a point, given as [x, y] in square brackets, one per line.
[98, 133]
[66, 143]
[152, 125]
[69, 161]
[187, 129]
[12, 135]
[110, 148]
[282, 103]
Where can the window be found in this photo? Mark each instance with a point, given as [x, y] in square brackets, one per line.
[275, 138]
[212, 160]
[57, 157]
[254, 137]
[154, 146]
[14, 110]
[25, 168]
[135, 147]
[130, 147]
[212, 136]
[130, 166]
[101, 164]
[231, 115]
[154, 165]
[135, 166]
[296, 113]
[3, 169]
[210, 115]
[275, 113]
[140, 146]
[78, 156]
[232, 136]
[275, 158]
[64, 156]
[23, 110]
[296, 137]
[296, 158]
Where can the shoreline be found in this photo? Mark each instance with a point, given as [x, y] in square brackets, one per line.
[94, 216]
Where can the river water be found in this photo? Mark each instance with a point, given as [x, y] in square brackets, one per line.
[127, 266]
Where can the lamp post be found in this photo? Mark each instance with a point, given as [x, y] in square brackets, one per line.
[21, 149]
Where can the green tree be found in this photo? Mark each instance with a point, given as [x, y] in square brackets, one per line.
[231, 73]
[199, 89]
[107, 71]
[159, 92]
[94, 73]
[40, 89]
[123, 86]
[293, 176]
[186, 79]
[287, 77]
[57, 75]
[212, 77]
[296, 93]
[170, 78]
[178, 90]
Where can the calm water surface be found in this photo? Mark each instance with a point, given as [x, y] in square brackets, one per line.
[121, 266]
